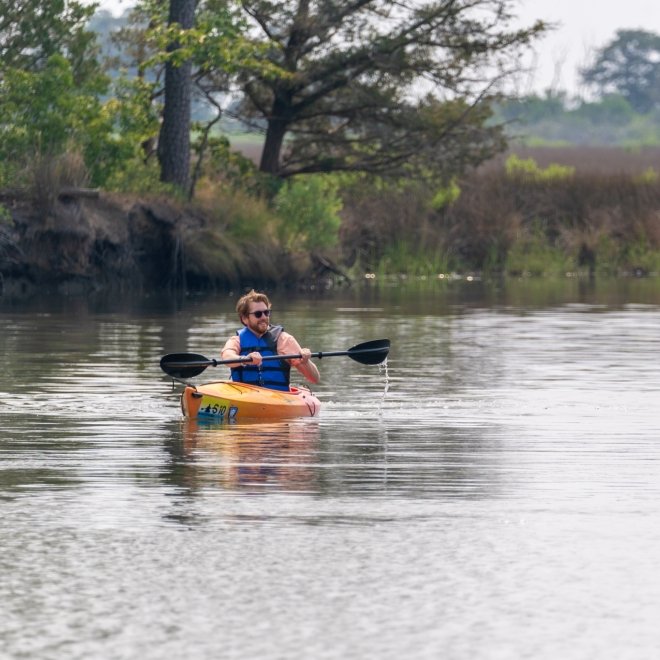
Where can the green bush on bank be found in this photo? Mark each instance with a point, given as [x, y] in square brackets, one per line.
[47, 114]
[141, 178]
[5, 216]
[446, 195]
[309, 208]
[265, 240]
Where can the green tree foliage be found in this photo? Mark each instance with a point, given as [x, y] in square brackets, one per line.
[446, 195]
[628, 66]
[344, 87]
[625, 75]
[46, 113]
[186, 57]
[366, 86]
[51, 86]
[31, 31]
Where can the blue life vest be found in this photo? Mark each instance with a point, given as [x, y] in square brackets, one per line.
[274, 374]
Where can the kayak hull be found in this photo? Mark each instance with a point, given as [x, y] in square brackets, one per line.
[230, 401]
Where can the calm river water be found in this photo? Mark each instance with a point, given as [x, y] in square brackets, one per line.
[493, 493]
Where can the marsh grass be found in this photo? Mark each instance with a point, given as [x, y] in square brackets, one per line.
[532, 254]
[214, 257]
[520, 220]
[237, 213]
[598, 224]
[587, 160]
[405, 258]
[49, 174]
[390, 228]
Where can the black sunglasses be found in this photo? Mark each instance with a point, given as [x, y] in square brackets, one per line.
[260, 312]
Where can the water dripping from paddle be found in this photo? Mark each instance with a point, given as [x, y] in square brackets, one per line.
[382, 369]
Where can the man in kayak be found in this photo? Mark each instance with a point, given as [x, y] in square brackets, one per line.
[258, 339]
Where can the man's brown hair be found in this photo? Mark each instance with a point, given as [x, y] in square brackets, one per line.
[243, 304]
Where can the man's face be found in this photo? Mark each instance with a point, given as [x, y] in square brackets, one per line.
[256, 320]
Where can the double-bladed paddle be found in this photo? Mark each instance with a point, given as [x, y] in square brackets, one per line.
[187, 365]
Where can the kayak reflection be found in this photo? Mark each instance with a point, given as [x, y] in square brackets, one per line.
[253, 456]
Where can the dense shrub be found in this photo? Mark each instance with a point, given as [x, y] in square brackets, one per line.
[309, 213]
[47, 114]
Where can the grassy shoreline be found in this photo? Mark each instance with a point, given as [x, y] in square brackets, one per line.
[516, 218]
[519, 219]
[574, 212]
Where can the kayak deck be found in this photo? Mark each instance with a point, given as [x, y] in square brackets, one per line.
[229, 401]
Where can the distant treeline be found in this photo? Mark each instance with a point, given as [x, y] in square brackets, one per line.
[620, 104]
[556, 119]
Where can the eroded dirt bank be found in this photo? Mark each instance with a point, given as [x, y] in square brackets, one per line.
[88, 241]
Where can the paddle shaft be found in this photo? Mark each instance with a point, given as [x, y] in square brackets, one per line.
[319, 354]
[293, 356]
[187, 365]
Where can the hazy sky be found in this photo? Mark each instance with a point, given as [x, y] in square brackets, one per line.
[583, 26]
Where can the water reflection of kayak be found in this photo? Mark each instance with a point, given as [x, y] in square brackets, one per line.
[230, 401]
[253, 454]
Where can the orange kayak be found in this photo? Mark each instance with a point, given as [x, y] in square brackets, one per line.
[230, 401]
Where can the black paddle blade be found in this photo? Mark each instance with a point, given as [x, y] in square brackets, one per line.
[370, 352]
[184, 365]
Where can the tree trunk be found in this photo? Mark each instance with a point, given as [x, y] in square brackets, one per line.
[174, 138]
[277, 128]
